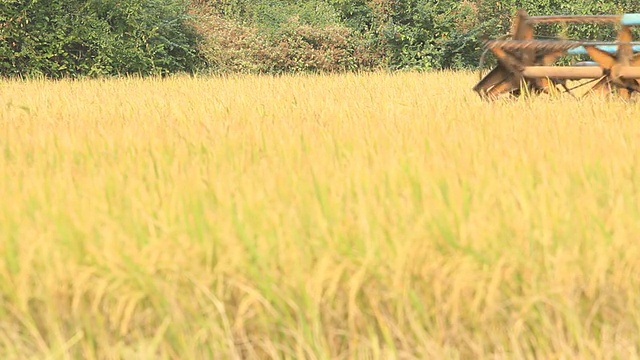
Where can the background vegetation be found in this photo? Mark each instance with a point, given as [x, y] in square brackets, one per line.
[108, 37]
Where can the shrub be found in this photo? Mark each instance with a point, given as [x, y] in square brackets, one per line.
[226, 45]
[294, 45]
[57, 38]
[311, 49]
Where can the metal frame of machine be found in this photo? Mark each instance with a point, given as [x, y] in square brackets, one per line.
[526, 63]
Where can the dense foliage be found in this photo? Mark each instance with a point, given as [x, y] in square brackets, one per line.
[107, 37]
[59, 38]
[401, 34]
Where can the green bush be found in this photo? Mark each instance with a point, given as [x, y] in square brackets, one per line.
[431, 34]
[305, 48]
[271, 15]
[57, 38]
[287, 43]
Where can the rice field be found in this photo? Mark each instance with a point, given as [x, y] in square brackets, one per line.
[377, 216]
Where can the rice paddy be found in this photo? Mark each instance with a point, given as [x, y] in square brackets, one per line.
[378, 216]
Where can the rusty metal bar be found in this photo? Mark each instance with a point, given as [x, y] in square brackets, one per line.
[625, 19]
[629, 72]
[537, 44]
[577, 72]
[611, 19]
[565, 72]
[555, 45]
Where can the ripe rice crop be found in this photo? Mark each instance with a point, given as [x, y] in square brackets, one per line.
[371, 216]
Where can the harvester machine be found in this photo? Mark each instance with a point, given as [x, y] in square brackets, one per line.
[527, 63]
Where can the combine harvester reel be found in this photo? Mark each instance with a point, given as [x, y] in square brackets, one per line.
[527, 64]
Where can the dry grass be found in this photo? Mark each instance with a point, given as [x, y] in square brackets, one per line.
[375, 216]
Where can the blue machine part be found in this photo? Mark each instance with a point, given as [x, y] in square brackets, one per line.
[586, 63]
[611, 49]
[630, 19]
[626, 20]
